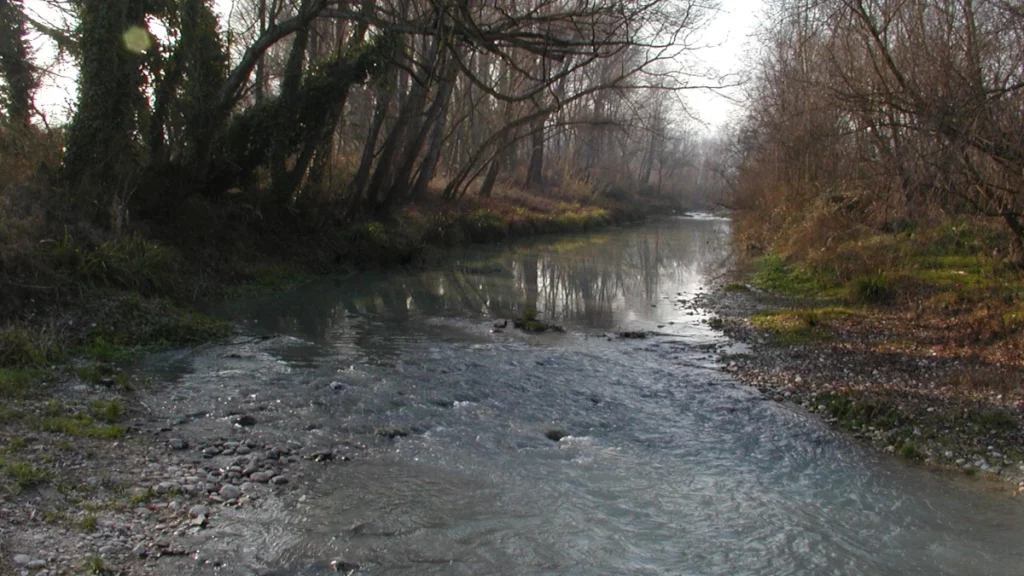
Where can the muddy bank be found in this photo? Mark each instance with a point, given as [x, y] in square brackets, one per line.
[961, 414]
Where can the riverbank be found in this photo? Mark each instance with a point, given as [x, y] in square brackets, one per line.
[923, 363]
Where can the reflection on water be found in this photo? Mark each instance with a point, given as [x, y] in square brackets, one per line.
[602, 281]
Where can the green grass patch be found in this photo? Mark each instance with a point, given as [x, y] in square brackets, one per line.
[99, 422]
[107, 411]
[266, 277]
[141, 497]
[486, 226]
[870, 289]
[21, 348]
[793, 327]
[187, 329]
[910, 451]
[128, 262]
[81, 426]
[22, 383]
[774, 274]
[951, 278]
[23, 474]
[100, 350]
[103, 374]
[993, 420]
[854, 413]
[127, 325]
[94, 565]
[87, 523]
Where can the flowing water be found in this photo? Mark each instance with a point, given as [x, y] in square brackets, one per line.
[669, 465]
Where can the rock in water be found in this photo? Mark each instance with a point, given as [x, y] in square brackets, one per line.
[344, 567]
[245, 421]
[555, 435]
[392, 433]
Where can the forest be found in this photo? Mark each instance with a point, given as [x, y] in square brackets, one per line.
[324, 133]
[882, 116]
[207, 125]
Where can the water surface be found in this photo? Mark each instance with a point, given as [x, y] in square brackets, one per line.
[669, 467]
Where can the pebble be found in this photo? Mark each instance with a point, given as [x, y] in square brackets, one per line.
[22, 559]
[261, 477]
[36, 565]
[198, 510]
[166, 487]
[178, 444]
[279, 480]
[230, 492]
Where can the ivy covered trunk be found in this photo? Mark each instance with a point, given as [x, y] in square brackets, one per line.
[15, 68]
[103, 155]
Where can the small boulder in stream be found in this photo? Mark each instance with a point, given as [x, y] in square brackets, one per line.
[245, 420]
[392, 433]
[555, 435]
[344, 567]
[536, 326]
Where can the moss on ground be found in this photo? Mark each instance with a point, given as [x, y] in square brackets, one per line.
[800, 326]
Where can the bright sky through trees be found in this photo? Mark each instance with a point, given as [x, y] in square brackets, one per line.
[727, 39]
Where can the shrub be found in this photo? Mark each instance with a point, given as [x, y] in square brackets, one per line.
[873, 289]
[486, 226]
[111, 411]
[20, 347]
[129, 262]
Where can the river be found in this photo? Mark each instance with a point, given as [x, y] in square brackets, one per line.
[668, 465]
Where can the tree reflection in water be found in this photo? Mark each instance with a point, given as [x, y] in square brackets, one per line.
[598, 281]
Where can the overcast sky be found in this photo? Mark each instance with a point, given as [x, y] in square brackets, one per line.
[726, 41]
[728, 38]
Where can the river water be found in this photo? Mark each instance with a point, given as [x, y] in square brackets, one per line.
[669, 465]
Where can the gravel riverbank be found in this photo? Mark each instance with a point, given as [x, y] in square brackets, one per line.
[146, 503]
[953, 412]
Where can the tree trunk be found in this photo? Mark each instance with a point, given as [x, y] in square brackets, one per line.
[535, 172]
[492, 176]
[358, 186]
[261, 64]
[100, 153]
[383, 184]
[15, 67]
[291, 84]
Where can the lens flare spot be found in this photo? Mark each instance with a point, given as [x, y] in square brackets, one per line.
[136, 40]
